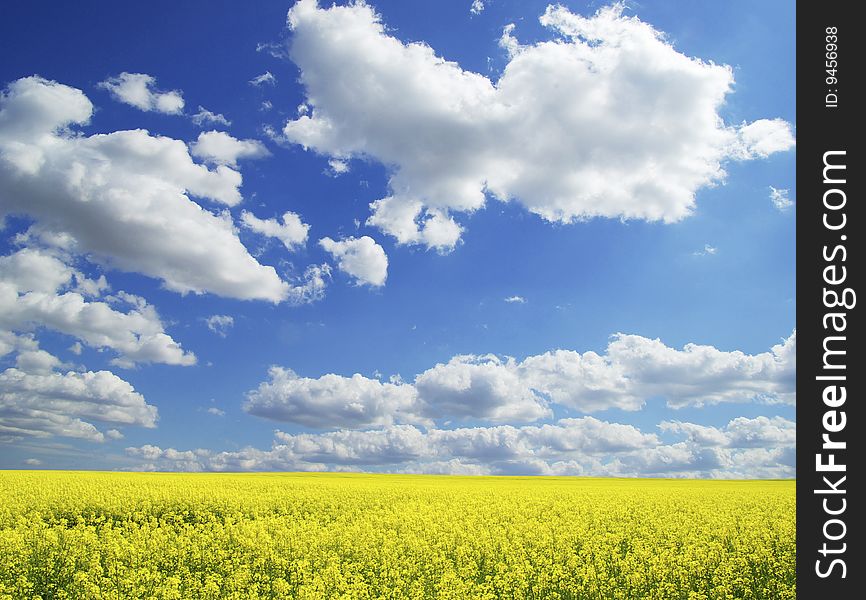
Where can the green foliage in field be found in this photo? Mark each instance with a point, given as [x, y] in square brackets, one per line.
[105, 535]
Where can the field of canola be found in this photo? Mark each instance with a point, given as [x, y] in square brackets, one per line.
[291, 535]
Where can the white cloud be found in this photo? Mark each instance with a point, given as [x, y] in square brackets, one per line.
[37, 289]
[275, 49]
[780, 199]
[205, 117]
[642, 120]
[337, 167]
[311, 287]
[362, 258]
[392, 444]
[331, 400]
[220, 324]
[32, 462]
[63, 404]
[216, 412]
[180, 461]
[219, 148]
[292, 232]
[123, 198]
[38, 362]
[491, 389]
[706, 251]
[508, 42]
[411, 223]
[515, 300]
[763, 138]
[740, 432]
[585, 446]
[265, 78]
[477, 7]
[139, 90]
[636, 368]
[480, 387]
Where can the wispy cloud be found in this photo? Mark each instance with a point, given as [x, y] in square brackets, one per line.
[780, 199]
[220, 324]
[266, 78]
[205, 117]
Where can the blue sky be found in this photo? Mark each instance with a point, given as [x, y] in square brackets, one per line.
[567, 248]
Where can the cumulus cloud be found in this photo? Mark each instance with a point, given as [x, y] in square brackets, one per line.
[290, 230]
[606, 120]
[763, 138]
[180, 460]
[331, 400]
[515, 300]
[41, 396]
[361, 258]
[139, 90]
[37, 289]
[584, 446]
[46, 404]
[480, 387]
[740, 432]
[219, 148]
[477, 7]
[635, 368]
[37, 361]
[205, 117]
[492, 389]
[780, 199]
[123, 198]
[220, 324]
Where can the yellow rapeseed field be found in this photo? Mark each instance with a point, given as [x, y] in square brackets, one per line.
[300, 535]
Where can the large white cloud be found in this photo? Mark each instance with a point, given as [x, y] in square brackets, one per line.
[41, 396]
[740, 432]
[362, 258]
[487, 388]
[37, 400]
[38, 290]
[331, 400]
[585, 446]
[139, 90]
[606, 120]
[123, 197]
[636, 368]
[481, 387]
